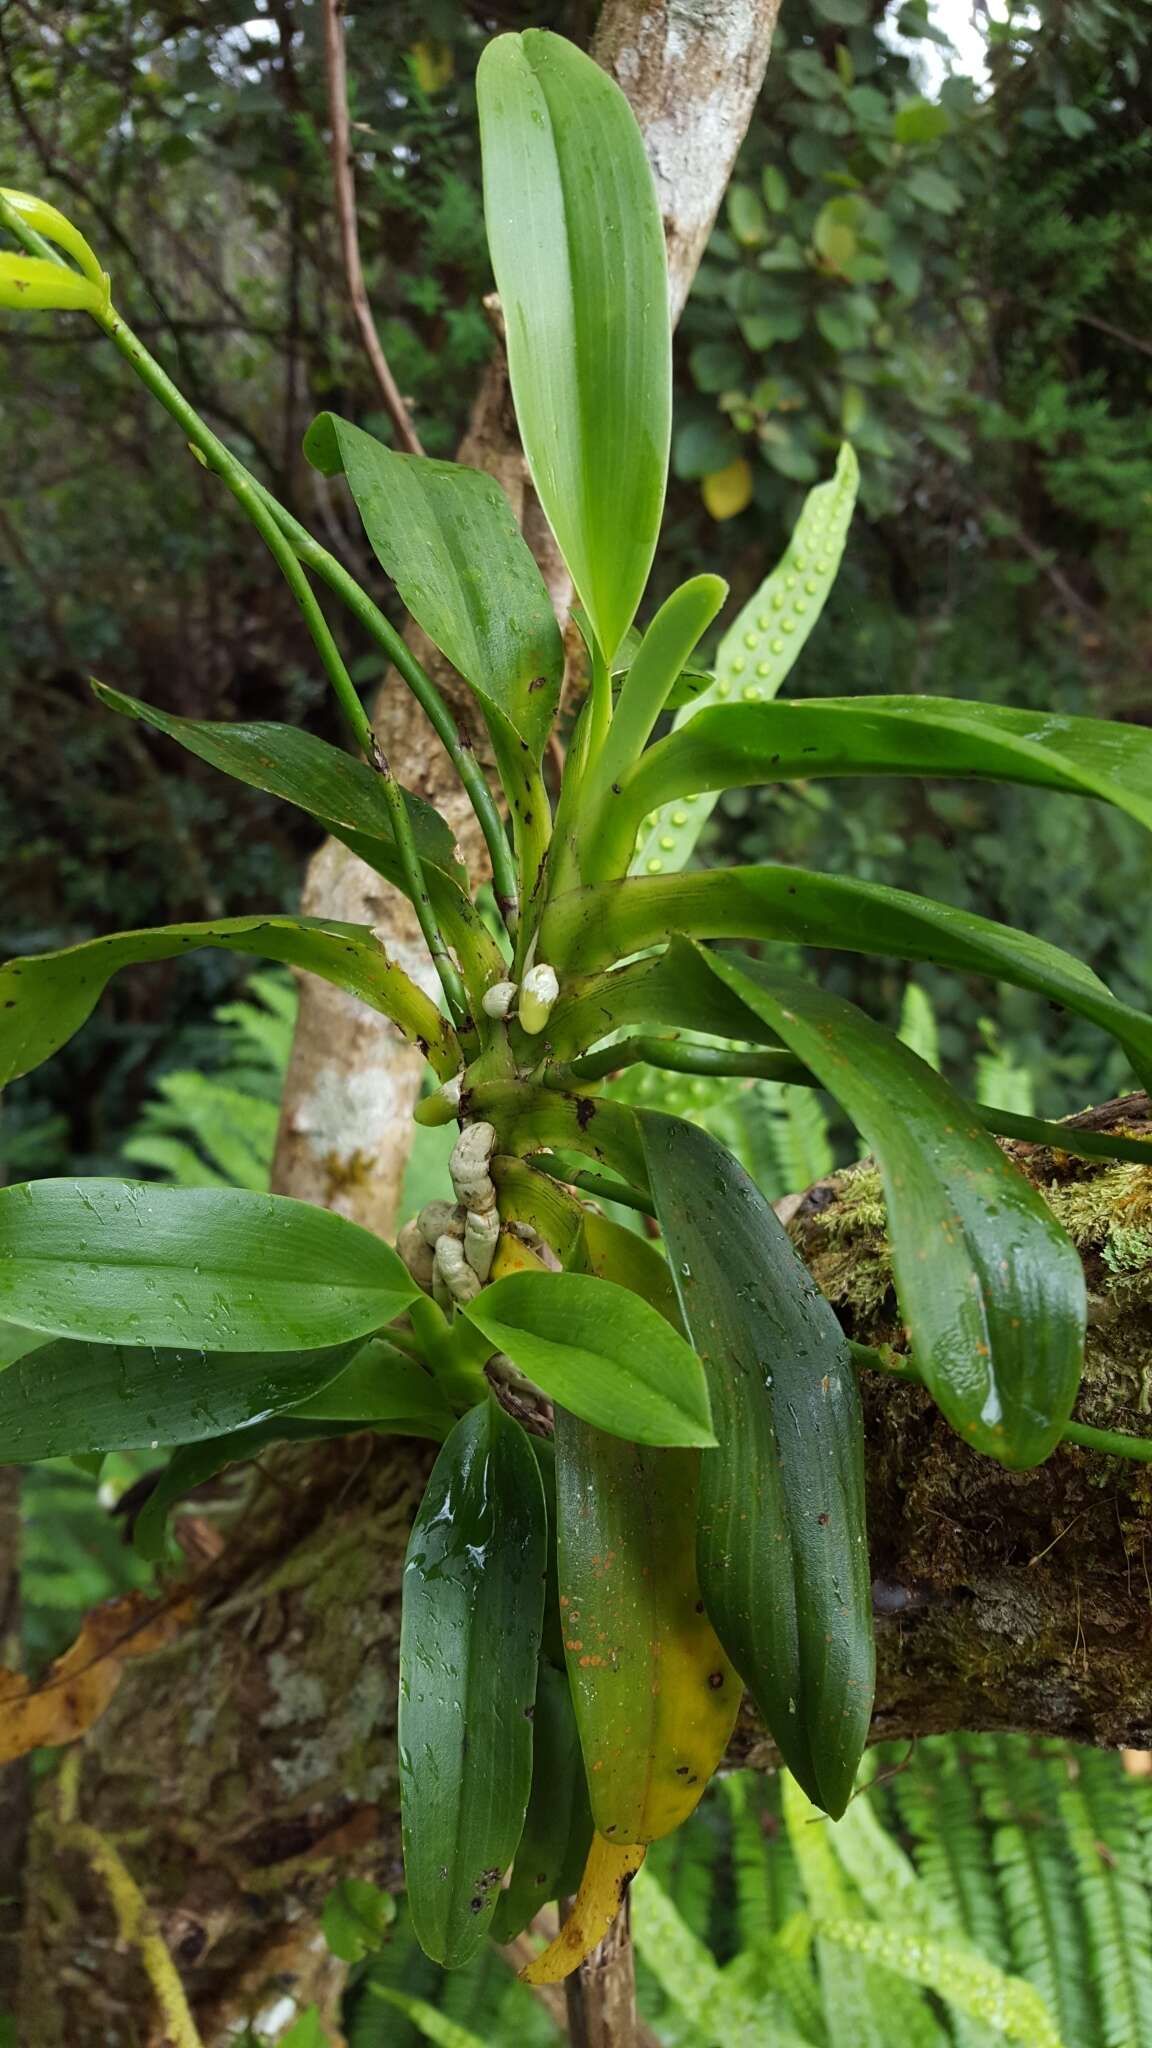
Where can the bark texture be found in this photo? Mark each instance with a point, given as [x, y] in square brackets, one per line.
[239, 1771]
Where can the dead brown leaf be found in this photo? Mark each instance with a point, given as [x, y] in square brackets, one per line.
[76, 1689]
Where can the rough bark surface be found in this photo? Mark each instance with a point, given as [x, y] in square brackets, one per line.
[240, 1770]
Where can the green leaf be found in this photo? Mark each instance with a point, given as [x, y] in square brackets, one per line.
[590, 926]
[955, 1973]
[921, 121]
[469, 1642]
[307, 2031]
[578, 250]
[601, 1351]
[213, 1269]
[558, 1824]
[191, 1464]
[46, 997]
[383, 1386]
[989, 1285]
[447, 537]
[755, 655]
[356, 1919]
[734, 746]
[302, 770]
[933, 190]
[781, 1544]
[70, 1397]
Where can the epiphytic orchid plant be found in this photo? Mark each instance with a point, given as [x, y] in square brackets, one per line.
[584, 1604]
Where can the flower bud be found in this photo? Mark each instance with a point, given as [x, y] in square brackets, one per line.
[538, 992]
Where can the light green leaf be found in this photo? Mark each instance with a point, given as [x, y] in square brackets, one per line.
[69, 1397]
[601, 1351]
[447, 537]
[1009, 2005]
[578, 250]
[386, 1388]
[990, 1287]
[756, 652]
[214, 1269]
[356, 1919]
[469, 1642]
[46, 997]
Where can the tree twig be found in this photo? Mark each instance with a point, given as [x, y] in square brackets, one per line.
[344, 188]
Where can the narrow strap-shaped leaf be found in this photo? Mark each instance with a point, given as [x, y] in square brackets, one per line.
[989, 1284]
[734, 746]
[578, 250]
[67, 1398]
[46, 997]
[300, 769]
[601, 1350]
[558, 1823]
[193, 1463]
[591, 926]
[760, 647]
[215, 1269]
[446, 536]
[661, 655]
[655, 1695]
[344, 796]
[469, 1643]
[782, 1546]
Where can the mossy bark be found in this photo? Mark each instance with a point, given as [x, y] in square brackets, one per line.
[241, 1770]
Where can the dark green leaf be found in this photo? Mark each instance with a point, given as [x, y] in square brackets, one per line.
[302, 770]
[447, 537]
[578, 250]
[69, 1397]
[558, 1824]
[601, 1351]
[45, 997]
[590, 926]
[469, 1642]
[989, 1285]
[782, 1549]
[213, 1269]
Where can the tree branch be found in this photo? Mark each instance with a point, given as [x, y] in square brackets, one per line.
[343, 183]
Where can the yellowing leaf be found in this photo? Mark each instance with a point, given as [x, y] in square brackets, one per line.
[433, 64]
[78, 1686]
[607, 1875]
[726, 491]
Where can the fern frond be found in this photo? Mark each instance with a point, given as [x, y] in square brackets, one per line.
[1009, 2005]
[1107, 1852]
[1044, 1924]
[433, 2024]
[689, 1976]
[940, 1811]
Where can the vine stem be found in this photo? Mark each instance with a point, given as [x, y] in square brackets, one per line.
[309, 552]
[1110, 1443]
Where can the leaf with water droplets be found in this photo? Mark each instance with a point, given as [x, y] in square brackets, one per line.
[469, 1642]
[131, 1263]
[989, 1284]
[781, 1550]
